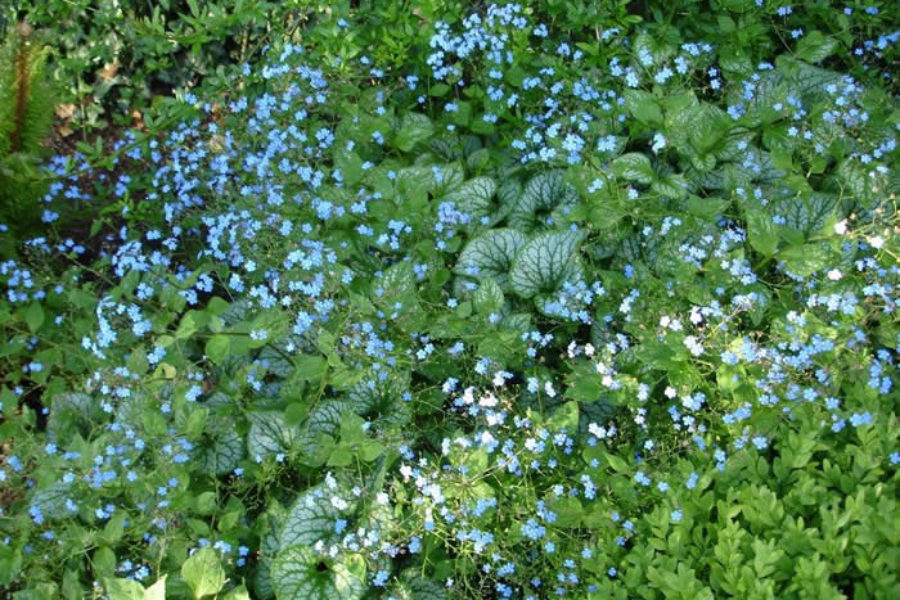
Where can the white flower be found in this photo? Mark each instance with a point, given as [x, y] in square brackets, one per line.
[835, 274]
[876, 242]
[693, 344]
[840, 227]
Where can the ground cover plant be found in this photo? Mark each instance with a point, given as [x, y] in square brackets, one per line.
[448, 300]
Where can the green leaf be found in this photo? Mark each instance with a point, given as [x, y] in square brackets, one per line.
[73, 413]
[341, 456]
[238, 593]
[543, 193]
[220, 451]
[634, 166]
[709, 125]
[564, 417]
[412, 586]
[398, 284]
[189, 325]
[157, 591]
[617, 464]
[488, 297]
[490, 255]
[217, 348]
[809, 213]
[544, 262]
[270, 434]
[475, 197]
[643, 107]
[805, 260]
[124, 589]
[673, 186]
[298, 574]
[369, 450]
[325, 418]
[34, 316]
[310, 519]
[761, 231]
[203, 573]
[295, 413]
[414, 128]
[815, 46]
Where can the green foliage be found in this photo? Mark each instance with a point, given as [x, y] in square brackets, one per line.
[562, 299]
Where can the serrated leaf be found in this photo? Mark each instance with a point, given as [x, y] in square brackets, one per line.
[543, 193]
[544, 262]
[270, 434]
[203, 572]
[634, 166]
[298, 574]
[491, 254]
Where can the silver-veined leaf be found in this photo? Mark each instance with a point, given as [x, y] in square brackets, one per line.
[299, 574]
[544, 262]
[219, 451]
[491, 254]
[269, 434]
[475, 197]
[543, 193]
[311, 519]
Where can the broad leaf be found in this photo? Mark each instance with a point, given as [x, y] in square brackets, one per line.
[809, 213]
[414, 128]
[544, 262]
[219, 451]
[311, 519]
[488, 297]
[543, 193]
[490, 254]
[203, 573]
[815, 46]
[761, 232]
[124, 589]
[269, 434]
[634, 166]
[298, 574]
[475, 198]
